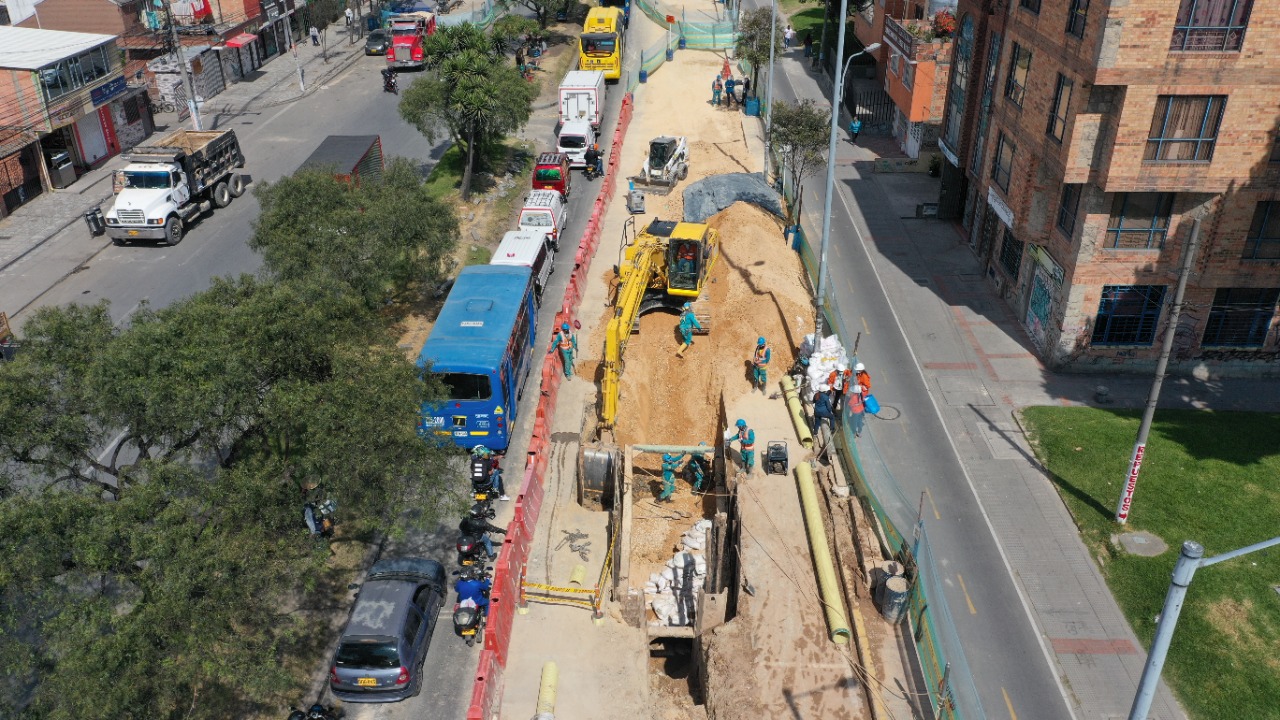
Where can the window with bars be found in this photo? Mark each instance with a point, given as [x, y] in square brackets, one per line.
[1184, 128]
[1011, 254]
[958, 86]
[1263, 242]
[1128, 314]
[1139, 221]
[1068, 208]
[1240, 317]
[1002, 166]
[1015, 85]
[1058, 110]
[132, 109]
[1032, 5]
[1077, 13]
[1210, 25]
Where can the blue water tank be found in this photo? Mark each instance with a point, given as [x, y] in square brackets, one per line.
[644, 75]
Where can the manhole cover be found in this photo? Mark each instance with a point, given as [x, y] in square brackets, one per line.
[1143, 544]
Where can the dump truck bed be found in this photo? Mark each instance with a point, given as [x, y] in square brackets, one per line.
[189, 141]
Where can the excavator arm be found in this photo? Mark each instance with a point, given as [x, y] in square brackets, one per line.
[635, 277]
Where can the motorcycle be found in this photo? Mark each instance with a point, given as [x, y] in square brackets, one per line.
[589, 172]
[482, 469]
[469, 619]
[389, 82]
[471, 551]
[315, 712]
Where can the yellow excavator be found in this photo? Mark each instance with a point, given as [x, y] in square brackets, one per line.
[661, 267]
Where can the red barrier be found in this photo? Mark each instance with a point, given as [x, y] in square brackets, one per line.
[486, 694]
[506, 592]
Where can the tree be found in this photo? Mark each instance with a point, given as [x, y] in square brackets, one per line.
[375, 239]
[321, 14]
[171, 578]
[543, 10]
[469, 91]
[752, 44]
[512, 29]
[801, 134]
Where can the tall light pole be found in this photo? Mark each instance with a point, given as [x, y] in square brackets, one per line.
[1191, 559]
[837, 92]
[768, 98]
[1144, 429]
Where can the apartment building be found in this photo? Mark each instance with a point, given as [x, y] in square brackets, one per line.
[1084, 138]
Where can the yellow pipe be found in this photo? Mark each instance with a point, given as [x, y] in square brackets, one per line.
[828, 586]
[547, 691]
[797, 412]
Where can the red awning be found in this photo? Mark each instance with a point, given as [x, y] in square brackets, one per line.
[241, 40]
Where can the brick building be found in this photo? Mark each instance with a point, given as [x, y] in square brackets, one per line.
[1082, 141]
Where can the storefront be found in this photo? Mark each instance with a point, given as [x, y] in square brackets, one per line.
[274, 34]
[19, 172]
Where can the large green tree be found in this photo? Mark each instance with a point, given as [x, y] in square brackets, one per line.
[801, 135]
[470, 91]
[163, 571]
[752, 43]
[376, 239]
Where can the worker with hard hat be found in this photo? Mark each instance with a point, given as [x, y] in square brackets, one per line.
[688, 321]
[861, 377]
[567, 342]
[670, 466]
[746, 438]
[760, 364]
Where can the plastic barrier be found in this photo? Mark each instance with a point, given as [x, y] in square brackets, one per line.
[487, 691]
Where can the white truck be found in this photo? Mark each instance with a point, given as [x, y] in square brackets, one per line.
[574, 139]
[169, 182]
[582, 97]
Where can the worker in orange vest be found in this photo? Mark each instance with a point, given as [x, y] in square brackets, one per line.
[567, 343]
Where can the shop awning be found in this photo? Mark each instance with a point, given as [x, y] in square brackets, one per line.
[241, 40]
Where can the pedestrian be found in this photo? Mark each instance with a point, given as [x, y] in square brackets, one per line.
[351, 15]
[315, 36]
[520, 58]
[857, 408]
[788, 36]
[808, 43]
[760, 364]
[670, 466]
[822, 412]
[729, 86]
[716, 88]
[855, 127]
[746, 438]
[567, 342]
[746, 87]
[688, 321]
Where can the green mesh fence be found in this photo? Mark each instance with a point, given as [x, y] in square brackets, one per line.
[697, 35]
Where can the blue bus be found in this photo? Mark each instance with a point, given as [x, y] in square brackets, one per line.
[481, 347]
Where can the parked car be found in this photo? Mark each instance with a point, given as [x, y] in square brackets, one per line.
[376, 43]
[381, 651]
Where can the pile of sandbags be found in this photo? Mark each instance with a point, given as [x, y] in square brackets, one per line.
[672, 593]
[824, 357]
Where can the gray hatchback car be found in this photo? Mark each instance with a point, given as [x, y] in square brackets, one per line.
[380, 655]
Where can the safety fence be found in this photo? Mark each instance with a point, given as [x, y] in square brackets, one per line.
[695, 35]
[947, 674]
[509, 570]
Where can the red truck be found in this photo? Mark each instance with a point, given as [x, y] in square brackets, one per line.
[408, 32]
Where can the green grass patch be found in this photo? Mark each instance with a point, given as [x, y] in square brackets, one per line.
[477, 255]
[446, 176]
[1212, 477]
[808, 19]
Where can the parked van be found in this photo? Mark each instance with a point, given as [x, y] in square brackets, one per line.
[574, 139]
[544, 211]
[528, 248]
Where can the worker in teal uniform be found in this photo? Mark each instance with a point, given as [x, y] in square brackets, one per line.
[688, 321]
[567, 342]
[760, 364]
[746, 438]
[670, 466]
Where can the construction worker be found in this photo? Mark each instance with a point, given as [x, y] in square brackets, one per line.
[861, 377]
[716, 88]
[746, 438]
[857, 408]
[670, 466]
[696, 470]
[686, 254]
[568, 344]
[688, 321]
[822, 412]
[760, 364]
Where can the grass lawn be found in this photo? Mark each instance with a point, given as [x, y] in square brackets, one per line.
[1212, 477]
[809, 19]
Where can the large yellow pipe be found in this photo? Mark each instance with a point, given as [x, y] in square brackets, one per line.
[547, 691]
[797, 411]
[828, 586]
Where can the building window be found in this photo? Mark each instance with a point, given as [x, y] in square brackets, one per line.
[1011, 254]
[1002, 168]
[71, 74]
[1068, 208]
[1127, 314]
[893, 63]
[1015, 86]
[958, 86]
[1184, 128]
[1076, 15]
[1139, 221]
[1032, 5]
[1058, 110]
[1210, 25]
[1263, 242]
[908, 74]
[1240, 317]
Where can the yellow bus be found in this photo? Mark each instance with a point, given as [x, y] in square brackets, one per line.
[600, 47]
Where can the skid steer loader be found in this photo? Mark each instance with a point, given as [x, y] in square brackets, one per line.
[666, 164]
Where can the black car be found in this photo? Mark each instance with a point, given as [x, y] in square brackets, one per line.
[380, 655]
[376, 43]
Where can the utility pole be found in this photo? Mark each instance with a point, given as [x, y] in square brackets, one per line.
[1140, 445]
[768, 107]
[187, 85]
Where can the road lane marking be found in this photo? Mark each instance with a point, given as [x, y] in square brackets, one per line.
[936, 515]
[865, 328]
[972, 610]
[1009, 704]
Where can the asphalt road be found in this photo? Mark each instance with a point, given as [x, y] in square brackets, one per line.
[1001, 644]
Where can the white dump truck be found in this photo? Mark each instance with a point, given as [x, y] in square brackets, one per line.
[172, 180]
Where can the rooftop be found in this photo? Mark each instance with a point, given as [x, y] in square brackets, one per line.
[31, 49]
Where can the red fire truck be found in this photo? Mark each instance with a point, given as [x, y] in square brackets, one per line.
[408, 32]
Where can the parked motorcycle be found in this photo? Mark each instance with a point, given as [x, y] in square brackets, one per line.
[315, 712]
[484, 466]
[470, 551]
[468, 614]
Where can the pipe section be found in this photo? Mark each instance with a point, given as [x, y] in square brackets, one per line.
[547, 691]
[828, 586]
[674, 449]
[796, 408]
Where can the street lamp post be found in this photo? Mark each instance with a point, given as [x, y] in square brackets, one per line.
[768, 97]
[1191, 559]
[837, 92]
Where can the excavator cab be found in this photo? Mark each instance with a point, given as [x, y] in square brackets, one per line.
[684, 263]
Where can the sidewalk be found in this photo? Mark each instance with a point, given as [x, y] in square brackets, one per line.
[976, 368]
